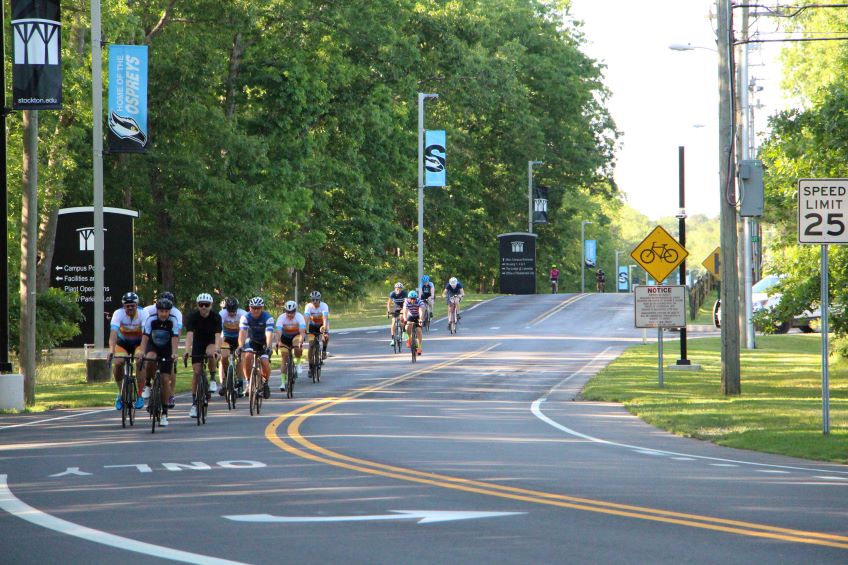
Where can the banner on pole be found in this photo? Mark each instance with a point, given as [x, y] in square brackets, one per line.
[623, 278]
[37, 49]
[540, 205]
[434, 158]
[590, 253]
[127, 131]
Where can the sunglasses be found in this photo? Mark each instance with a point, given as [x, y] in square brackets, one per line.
[129, 306]
[203, 305]
[256, 307]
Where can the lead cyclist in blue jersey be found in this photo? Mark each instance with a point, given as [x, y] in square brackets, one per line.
[256, 337]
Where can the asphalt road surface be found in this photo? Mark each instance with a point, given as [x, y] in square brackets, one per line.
[478, 453]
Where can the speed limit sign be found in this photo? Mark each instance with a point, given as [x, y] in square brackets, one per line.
[822, 210]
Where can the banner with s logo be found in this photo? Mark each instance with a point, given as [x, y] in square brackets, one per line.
[434, 158]
[37, 49]
[127, 119]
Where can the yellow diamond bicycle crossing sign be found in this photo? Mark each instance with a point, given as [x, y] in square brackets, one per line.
[659, 254]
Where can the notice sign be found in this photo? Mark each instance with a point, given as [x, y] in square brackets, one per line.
[660, 306]
[822, 207]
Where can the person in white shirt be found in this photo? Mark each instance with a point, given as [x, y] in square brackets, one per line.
[317, 315]
[291, 329]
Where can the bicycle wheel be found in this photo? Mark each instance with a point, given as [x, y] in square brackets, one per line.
[413, 346]
[647, 256]
[230, 386]
[125, 400]
[204, 401]
[313, 360]
[155, 405]
[254, 392]
[290, 376]
[133, 398]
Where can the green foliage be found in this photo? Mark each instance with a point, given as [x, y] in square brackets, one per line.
[57, 318]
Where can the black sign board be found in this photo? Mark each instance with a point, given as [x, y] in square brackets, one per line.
[518, 263]
[37, 61]
[73, 262]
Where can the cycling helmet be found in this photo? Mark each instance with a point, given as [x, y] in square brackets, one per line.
[167, 295]
[412, 294]
[231, 304]
[257, 302]
[553, 266]
[129, 298]
[425, 279]
[164, 304]
[314, 295]
[290, 306]
[453, 281]
[398, 286]
[204, 297]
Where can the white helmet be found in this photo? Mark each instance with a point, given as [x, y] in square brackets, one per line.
[453, 281]
[290, 306]
[398, 286]
[204, 297]
[257, 302]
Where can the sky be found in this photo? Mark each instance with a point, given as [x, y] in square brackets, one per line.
[663, 99]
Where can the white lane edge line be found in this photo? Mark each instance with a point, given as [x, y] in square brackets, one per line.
[20, 509]
[535, 408]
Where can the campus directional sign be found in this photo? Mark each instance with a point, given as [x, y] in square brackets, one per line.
[659, 254]
[713, 262]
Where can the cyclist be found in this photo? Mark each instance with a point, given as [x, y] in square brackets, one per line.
[159, 345]
[230, 318]
[428, 291]
[454, 289]
[411, 318]
[317, 314]
[291, 329]
[394, 306]
[601, 279]
[554, 279]
[175, 312]
[127, 327]
[203, 337]
[256, 337]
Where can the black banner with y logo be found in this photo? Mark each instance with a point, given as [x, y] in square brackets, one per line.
[37, 55]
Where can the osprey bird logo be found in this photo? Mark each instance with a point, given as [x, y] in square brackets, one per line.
[126, 128]
[434, 158]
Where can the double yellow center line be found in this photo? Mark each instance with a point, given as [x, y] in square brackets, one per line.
[293, 442]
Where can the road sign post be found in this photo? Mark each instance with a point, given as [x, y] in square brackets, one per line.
[822, 205]
[660, 307]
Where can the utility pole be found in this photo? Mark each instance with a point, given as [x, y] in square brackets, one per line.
[97, 163]
[730, 370]
[29, 244]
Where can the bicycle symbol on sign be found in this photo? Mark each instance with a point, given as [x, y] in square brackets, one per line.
[661, 251]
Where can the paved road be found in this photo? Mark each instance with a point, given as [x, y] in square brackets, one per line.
[478, 453]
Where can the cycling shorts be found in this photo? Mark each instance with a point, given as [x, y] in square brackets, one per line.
[163, 359]
[229, 343]
[253, 347]
[314, 329]
[123, 347]
[289, 341]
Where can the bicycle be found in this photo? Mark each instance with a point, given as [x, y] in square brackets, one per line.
[231, 387]
[425, 323]
[453, 301]
[413, 340]
[154, 406]
[256, 385]
[129, 389]
[315, 357]
[291, 374]
[398, 335]
[665, 253]
[201, 390]
[554, 286]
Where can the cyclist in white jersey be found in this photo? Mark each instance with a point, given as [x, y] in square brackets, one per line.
[317, 315]
[231, 316]
[127, 327]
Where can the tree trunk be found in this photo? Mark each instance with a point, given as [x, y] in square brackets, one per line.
[29, 237]
[235, 61]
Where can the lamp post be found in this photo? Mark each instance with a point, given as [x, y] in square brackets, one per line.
[617, 253]
[5, 365]
[530, 192]
[422, 96]
[583, 255]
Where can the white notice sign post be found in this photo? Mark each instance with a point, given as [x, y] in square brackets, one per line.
[660, 307]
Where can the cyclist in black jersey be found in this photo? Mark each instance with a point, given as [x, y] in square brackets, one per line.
[393, 307]
[159, 345]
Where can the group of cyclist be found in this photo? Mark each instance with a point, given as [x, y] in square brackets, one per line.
[415, 306]
[152, 334]
[600, 279]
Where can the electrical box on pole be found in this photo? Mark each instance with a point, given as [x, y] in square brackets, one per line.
[750, 175]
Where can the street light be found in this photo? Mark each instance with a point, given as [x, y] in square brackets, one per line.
[530, 192]
[422, 96]
[583, 255]
[688, 47]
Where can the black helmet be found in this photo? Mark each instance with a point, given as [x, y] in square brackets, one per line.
[231, 304]
[164, 304]
[168, 295]
[129, 298]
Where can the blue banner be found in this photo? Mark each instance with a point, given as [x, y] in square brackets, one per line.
[591, 257]
[434, 158]
[127, 131]
[623, 278]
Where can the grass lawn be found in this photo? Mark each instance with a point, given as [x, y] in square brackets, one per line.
[779, 410]
[63, 385]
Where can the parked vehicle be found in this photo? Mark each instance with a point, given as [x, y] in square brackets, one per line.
[763, 298]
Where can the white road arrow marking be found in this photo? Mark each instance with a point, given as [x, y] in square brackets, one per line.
[423, 516]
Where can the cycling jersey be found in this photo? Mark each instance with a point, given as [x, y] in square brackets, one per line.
[316, 315]
[290, 327]
[128, 329]
[427, 290]
[204, 330]
[398, 298]
[159, 333]
[230, 323]
[451, 290]
[150, 311]
[554, 274]
[413, 308]
[256, 328]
